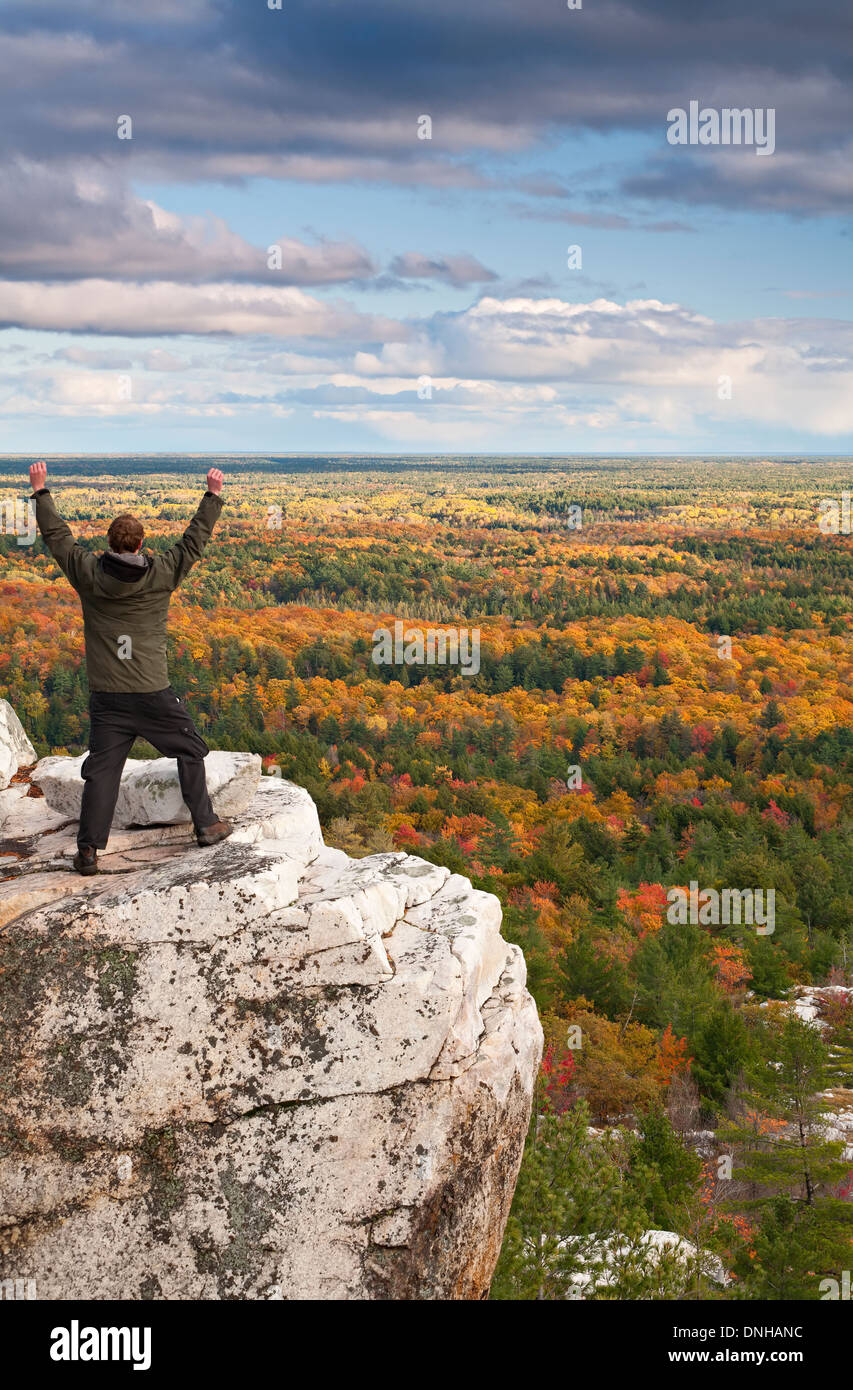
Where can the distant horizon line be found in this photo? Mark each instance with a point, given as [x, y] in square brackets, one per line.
[376, 453]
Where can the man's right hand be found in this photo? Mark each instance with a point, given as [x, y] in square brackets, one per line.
[38, 475]
[215, 479]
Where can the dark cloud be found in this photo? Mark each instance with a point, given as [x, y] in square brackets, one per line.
[457, 271]
[798, 181]
[326, 89]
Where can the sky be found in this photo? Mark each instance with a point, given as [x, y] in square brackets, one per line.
[376, 226]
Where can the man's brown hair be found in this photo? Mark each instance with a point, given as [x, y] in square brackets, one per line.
[125, 534]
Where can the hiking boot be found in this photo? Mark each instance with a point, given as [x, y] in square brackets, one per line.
[86, 861]
[212, 834]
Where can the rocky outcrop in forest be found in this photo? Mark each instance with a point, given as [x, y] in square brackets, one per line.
[261, 1070]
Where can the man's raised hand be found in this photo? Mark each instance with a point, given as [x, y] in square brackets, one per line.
[215, 479]
[38, 475]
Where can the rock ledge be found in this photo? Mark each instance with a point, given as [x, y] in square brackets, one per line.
[262, 1070]
[150, 793]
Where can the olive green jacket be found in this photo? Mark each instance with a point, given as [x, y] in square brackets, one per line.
[125, 606]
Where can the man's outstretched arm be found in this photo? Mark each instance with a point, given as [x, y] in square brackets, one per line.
[73, 560]
[179, 560]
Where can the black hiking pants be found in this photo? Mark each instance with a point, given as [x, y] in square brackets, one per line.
[116, 718]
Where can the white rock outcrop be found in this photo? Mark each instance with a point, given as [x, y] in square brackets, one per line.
[150, 793]
[261, 1070]
[16, 751]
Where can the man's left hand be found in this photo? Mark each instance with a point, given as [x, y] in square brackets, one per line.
[215, 479]
[38, 475]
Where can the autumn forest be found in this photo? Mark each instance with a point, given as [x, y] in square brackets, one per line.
[663, 696]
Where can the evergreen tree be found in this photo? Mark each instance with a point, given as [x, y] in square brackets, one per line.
[781, 1151]
[663, 1172]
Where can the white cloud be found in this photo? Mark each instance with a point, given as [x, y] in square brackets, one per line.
[519, 370]
[81, 220]
[165, 308]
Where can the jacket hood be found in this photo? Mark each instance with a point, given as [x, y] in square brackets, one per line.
[118, 579]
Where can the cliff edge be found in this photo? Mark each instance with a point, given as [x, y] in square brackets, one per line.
[262, 1070]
